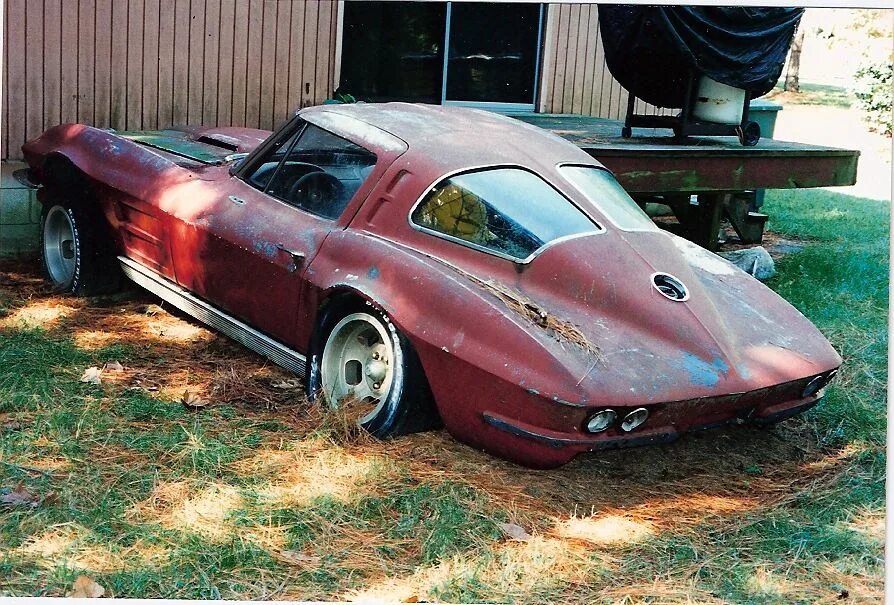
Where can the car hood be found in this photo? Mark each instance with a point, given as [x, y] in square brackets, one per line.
[731, 335]
[204, 145]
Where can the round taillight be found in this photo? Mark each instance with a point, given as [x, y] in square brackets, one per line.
[600, 421]
[634, 419]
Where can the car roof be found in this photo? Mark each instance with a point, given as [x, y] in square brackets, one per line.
[455, 138]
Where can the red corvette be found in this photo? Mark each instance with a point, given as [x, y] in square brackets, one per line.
[437, 264]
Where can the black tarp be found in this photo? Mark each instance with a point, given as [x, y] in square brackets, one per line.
[651, 50]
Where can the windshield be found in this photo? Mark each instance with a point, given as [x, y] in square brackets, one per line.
[604, 191]
[507, 211]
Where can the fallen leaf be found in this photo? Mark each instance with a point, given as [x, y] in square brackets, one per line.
[410, 599]
[19, 497]
[291, 383]
[51, 498]
[85, 588]
[112, 366]
[516, 532]
[152, 310]
[295, 557]
[193, 401]
[91, 375]
[12, 426]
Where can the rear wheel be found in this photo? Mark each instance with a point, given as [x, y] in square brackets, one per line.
[76, 258]
[365, 361]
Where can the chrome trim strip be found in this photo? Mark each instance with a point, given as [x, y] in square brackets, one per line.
[522, 261]
[173, 294]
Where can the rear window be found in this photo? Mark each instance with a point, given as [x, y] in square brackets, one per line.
[604, 191]
[507, 211]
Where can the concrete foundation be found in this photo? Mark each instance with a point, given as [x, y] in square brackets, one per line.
[19, 215]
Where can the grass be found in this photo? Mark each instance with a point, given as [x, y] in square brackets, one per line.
[261, 495]
[814, 94]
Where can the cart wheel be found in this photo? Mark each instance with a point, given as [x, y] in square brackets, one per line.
[626, 132]
[749, 133]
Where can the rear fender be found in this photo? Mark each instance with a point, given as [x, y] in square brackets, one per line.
[458, 329]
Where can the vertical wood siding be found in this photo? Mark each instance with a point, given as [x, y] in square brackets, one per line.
[575, 78]
[147, 64]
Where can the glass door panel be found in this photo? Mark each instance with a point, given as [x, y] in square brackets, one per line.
[493, 53]
[393, 51]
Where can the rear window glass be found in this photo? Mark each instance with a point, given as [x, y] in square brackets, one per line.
[508, 211]
[604, 191]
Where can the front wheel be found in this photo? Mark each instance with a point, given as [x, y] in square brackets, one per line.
[75, 258]
[367, 361]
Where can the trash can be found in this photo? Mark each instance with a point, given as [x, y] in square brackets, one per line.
[764, 113]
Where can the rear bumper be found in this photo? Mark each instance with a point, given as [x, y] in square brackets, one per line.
[663, 433]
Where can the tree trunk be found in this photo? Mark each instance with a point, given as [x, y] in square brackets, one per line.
[794, 63]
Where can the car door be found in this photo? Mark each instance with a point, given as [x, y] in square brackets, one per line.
[248, 250]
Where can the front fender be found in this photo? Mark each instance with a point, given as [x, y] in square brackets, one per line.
[105, 158]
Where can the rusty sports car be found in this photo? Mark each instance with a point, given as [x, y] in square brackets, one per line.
[439, 265]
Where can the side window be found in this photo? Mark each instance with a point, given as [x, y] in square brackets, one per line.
[315, 171]
[601, 188]
[509, 211]
[261, 175]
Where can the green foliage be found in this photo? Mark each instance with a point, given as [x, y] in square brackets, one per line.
[875, 93]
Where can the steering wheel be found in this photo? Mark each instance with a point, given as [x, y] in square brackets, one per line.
[315, 189]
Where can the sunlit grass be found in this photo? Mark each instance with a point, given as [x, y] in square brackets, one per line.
[262, 495]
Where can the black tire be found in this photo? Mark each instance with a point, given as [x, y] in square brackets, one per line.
[95, 268]
[409, 405]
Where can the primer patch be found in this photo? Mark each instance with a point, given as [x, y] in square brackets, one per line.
[699, 257]
[703, 373]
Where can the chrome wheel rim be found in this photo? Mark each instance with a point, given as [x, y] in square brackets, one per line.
[59, 251]
[358, 363]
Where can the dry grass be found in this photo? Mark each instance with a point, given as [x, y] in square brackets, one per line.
[324, 503]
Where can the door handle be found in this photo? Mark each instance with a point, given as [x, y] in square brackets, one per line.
[297, 257]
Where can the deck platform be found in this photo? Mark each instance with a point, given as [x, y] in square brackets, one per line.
[653, 163]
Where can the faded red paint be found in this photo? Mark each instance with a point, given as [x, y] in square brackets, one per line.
[735, 349]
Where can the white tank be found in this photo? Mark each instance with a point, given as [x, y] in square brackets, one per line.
[716, 102]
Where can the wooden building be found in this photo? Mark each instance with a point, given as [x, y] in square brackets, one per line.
[150, 64]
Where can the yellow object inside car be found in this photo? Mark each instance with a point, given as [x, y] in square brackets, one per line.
[457, 212]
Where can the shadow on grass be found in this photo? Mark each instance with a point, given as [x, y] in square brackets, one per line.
[251, 497]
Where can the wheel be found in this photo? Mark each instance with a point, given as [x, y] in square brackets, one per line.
[749, 133]
[365, 358]
[76, 258]
[626, 132]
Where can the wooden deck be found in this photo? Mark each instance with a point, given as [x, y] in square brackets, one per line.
[653, 166]
[652, 162]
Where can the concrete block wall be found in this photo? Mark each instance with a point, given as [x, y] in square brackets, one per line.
[19, 215]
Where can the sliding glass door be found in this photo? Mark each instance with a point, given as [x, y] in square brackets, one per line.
[395, 51]
[493, 52]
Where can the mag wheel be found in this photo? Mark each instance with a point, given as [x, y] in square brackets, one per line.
[365, 361]
[60, 248]
[362, 361]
